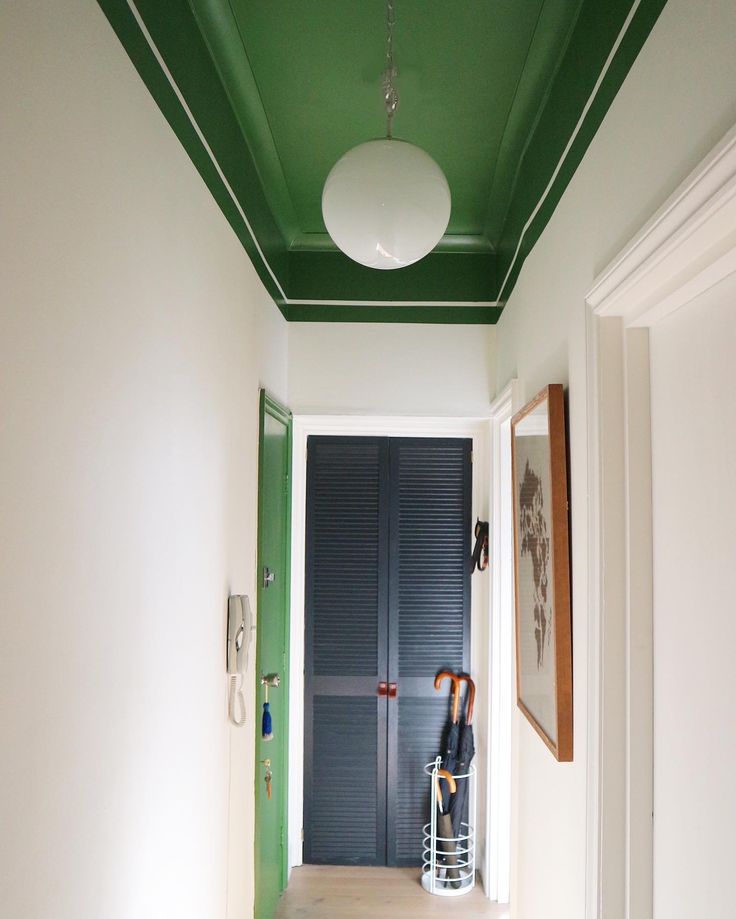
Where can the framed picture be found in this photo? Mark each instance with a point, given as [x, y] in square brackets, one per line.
[542, 569]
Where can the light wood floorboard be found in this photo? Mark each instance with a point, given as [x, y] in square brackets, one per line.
[331, 892]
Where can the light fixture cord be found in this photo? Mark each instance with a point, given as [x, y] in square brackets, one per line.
[390, 93]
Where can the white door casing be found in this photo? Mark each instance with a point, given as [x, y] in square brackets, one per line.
[500, 676]
[375, 426]
[687, 247]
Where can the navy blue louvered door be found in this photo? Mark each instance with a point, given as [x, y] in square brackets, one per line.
[387, 604]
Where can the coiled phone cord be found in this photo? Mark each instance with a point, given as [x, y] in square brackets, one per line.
[236, 697]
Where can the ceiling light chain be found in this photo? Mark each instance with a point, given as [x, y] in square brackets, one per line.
[390, 93]
[386, 203]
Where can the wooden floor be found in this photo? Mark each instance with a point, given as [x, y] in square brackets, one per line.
[328, 892]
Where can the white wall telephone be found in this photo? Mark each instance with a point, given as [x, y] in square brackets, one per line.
[239, 632]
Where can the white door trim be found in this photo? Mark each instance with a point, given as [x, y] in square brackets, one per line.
[368, 426]
[500, 677]
[688, 246]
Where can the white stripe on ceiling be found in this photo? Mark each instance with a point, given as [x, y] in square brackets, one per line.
[499, 302]
[190, 116]
[437, 303]
[578, 126]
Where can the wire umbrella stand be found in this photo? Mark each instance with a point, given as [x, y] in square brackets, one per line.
[435, 877]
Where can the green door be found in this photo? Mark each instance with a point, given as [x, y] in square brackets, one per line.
[272, 653]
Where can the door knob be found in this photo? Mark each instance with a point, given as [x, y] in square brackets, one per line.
[268, 576]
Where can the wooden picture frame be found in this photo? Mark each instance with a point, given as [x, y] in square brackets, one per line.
[542, 569]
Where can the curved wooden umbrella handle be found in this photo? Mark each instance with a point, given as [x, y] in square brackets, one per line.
[455, 690]
[447, 776]
[471, 696]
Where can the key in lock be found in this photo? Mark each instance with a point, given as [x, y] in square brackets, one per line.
[268, 777]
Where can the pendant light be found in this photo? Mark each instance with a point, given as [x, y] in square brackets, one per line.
[386, 203]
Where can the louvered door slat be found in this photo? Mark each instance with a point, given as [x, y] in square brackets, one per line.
[421, 728]
[431, 524]
[429, 623]
[344, 793]
[346, 619]
[345, 521]
[387, 599]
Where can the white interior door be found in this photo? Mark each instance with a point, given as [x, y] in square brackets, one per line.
[693, 427]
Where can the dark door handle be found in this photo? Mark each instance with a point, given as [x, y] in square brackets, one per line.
[382, 689]
[393, 690]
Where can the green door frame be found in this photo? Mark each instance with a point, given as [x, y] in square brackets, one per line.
[280, 743]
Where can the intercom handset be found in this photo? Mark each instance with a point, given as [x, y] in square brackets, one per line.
[239, 632]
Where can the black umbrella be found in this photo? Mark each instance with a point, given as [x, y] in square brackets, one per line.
[452, 738]
[445, 794]
[465, 751]
[444, 826]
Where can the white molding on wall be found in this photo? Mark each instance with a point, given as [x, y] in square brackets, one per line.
[500, 675]
[638, 641]
[688, 246]
[477, 428]
[593, 806]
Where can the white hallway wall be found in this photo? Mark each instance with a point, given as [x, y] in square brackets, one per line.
[676, 103]
[401, 369]
[131, 329]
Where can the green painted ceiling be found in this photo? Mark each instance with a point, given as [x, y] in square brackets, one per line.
[266, 96]
[467, 71]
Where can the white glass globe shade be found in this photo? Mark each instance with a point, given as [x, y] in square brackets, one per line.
[386, 204]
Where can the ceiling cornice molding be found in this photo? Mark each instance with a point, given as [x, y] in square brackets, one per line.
[130, 26]
[458, 313]
[221, 33]
[686, 247]
[625, 44]
[514, 138]
[463, 280]
[571, 140]
[455, 242]
[477, 304]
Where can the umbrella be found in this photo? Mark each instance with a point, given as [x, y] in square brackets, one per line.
[444, 826]
[464, 754]
[449, 762]
[452, 740]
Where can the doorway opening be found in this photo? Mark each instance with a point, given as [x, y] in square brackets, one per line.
[493, 850]
[387, 608]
